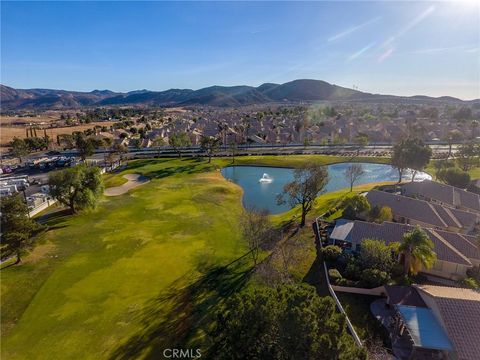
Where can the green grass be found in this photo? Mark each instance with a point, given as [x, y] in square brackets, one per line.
[112, 180]
[86, 289]
[474, 171]
[325, 202]
[297, 160]
[143, 270]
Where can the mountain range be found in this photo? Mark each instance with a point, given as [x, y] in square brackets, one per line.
[297, 91]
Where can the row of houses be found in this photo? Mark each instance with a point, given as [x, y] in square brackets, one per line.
[450, 217]
[427, 321]
[456, 252]
[431, 322]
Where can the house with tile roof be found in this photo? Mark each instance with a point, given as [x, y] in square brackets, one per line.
[457, 310]
[412, 211]
[443, 194]
[456, 253]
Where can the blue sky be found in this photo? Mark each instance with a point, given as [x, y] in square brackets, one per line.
[402, 48]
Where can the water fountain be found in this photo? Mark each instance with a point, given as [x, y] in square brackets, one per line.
[265, 179]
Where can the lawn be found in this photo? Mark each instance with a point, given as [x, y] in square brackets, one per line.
[85, 290]
[142, 271]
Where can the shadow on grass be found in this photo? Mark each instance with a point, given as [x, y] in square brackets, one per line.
[54, 218]
[316, 275]
[173, 319]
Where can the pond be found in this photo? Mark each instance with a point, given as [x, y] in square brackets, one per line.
[262, 184]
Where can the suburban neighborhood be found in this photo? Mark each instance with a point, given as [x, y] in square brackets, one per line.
[263, 180]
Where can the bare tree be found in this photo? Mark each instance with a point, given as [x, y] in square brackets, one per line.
[257, 231]
[308, 182]
[353, 173]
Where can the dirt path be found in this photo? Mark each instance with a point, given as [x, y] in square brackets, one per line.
[134, 180]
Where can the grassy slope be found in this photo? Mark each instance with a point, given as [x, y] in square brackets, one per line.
[87, 287]
[97, 271]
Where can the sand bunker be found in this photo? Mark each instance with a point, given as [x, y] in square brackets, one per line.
[134, 180]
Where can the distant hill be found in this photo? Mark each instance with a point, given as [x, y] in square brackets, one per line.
[297, 91]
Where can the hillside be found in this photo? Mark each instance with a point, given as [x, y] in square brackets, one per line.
[303, 90]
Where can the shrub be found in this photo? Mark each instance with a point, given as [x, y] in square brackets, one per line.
[352, 270]
[375, 254]
[380, 215]
[471, 283]
[334, 276]
[454, 176]
[354, 206]
[374, 277]
[331, 253]
[345, 282]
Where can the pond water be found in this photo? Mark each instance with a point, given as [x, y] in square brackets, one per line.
[262, 184]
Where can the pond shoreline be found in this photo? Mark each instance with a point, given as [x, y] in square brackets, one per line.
[264, 195]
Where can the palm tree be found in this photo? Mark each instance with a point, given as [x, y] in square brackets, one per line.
[417, 251]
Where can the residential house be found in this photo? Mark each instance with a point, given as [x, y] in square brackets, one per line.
[457, 310]
[456, 253]
[443, 194]
[419, 212]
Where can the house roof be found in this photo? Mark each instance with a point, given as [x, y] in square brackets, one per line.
[420, 210]
[450, 292]
[393, 232]
[342, 230]
[424, 328]
[403, 295]
[459, 310]
[444, 193]
[465, 244]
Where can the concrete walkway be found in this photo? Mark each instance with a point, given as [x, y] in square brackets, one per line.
[134, 180]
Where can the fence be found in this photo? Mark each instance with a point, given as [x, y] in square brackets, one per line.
[48, 202]
[354, 334]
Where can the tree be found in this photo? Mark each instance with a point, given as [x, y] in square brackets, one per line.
[354, 206]
[410, 153]
[179, 140]
[159, 142]
[454, 176]
[78, 187]
[309, 181]
[353, 173]
[467, 154]
[233, 149]
[399, 160]
[120, 150]
[287, 322]
[452, 136]
[17, 227]
[362, 141]
[380, 214]
[18, 148]
[375, 254]
[210, 145]
[256, 230]
[417, 250]
[84, 145]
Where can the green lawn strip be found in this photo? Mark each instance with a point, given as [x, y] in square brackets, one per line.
[297, 160]
[474, 171]
[89, 292]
